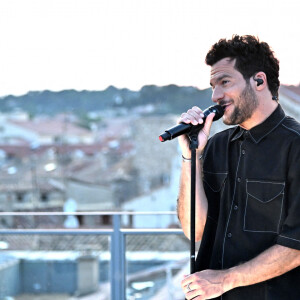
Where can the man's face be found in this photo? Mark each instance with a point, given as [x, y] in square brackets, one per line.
[231, 91]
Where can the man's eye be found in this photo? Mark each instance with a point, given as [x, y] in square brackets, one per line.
[224, 82]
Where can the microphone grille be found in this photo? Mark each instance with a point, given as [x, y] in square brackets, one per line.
[218, 110]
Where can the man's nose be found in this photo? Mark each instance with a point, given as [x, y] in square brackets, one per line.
[217, 94]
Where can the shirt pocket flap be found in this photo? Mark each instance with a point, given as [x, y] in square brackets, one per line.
[214, 180]
[264, 191]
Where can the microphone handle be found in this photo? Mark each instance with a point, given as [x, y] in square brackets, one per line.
[173, 132]
[184, 128]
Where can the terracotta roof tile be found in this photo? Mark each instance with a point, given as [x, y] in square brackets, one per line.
[52, 127]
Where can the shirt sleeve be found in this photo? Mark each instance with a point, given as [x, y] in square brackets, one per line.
[289, 235]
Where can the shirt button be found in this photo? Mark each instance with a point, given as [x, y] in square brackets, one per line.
[243, 152]
[239, 179]
[235, 207]
[229, 235]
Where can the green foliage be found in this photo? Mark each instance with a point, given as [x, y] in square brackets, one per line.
[166, 99]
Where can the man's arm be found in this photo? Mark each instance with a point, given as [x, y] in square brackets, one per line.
[273, 262]
[184, 200]
[193, 116]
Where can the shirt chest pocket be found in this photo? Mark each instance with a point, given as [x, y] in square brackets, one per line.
[263, 205]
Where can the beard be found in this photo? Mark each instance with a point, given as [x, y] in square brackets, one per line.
[244, 107]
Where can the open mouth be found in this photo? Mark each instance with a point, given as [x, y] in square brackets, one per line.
[225, 106]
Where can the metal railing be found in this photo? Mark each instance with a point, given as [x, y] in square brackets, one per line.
[116, 233]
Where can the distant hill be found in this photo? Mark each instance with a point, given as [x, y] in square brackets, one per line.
[167, 99]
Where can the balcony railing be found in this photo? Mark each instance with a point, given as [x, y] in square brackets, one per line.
[117, 234]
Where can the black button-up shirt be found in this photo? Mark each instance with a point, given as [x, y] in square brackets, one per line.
[252, 182]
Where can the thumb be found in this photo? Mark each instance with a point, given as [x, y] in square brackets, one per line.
[208, 123]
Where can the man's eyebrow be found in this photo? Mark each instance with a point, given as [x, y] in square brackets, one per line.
[221, 77]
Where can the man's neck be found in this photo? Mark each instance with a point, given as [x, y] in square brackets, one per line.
[263, 111]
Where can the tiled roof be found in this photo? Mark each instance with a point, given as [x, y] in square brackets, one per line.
[94, 242]
[25, 150]
[52, 127]
[120, 127]
[94, 173]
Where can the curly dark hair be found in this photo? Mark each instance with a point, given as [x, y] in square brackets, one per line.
[252, 56]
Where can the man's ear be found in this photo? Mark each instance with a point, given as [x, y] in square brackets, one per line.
[261, 80]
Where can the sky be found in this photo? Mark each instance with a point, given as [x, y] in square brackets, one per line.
[92, 44]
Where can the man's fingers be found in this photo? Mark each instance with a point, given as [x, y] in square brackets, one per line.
[183, 119]
[186, 281]
[193, 115]
[208, 123]
[197, 109]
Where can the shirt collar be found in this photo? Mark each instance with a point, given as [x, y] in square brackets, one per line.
[237, 133]
[258, 132]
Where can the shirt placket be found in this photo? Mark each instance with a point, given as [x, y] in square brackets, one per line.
[234, 206]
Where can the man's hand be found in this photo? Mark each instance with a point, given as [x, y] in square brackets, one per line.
[206, 284]
[271, 263]
[195, 117]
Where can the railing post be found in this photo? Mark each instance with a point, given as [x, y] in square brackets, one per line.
[117, 274]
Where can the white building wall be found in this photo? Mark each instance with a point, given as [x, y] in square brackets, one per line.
[159, 200]
[90, 197]
[9, 130]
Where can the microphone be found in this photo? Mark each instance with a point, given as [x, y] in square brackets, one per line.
[184, 128]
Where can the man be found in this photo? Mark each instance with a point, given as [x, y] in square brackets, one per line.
[247, 183]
